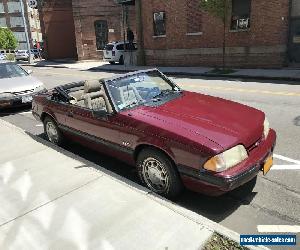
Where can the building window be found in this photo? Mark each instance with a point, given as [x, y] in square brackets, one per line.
[194, 16]
[240, 18]
[2, 8]
[3, 22]
[14, 7]
[16, 22]
[159, 23]
[101, 31]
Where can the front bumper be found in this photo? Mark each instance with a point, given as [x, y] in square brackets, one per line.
[215, 184]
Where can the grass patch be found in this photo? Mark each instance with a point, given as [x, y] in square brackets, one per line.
[221, 71]
[219, 242]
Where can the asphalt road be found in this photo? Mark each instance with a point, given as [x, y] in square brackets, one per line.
[276, 197]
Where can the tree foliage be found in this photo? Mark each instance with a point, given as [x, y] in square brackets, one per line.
[214, 7]
[7, 39]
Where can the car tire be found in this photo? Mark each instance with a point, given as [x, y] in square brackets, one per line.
[121, 60]
[111, 62]
[52, 131]
[244, 190]
[162, 177]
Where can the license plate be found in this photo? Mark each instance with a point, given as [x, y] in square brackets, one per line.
[26, 99]
[268, 164]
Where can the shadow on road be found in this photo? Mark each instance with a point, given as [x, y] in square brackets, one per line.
[214, 208]
[14, 110]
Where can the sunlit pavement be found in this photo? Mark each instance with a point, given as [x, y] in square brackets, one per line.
[51, 199]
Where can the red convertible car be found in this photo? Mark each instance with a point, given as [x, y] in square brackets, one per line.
[175, 138]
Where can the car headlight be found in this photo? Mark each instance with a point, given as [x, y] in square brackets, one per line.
[40, 89]
[227, 159]
[266, 127]
[6, 95]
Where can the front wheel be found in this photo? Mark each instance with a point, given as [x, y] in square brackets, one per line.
[52, 131]
[158, 173]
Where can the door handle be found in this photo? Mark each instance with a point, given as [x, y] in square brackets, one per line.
[70, 114]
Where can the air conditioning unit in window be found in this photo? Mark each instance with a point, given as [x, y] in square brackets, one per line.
[243, 23]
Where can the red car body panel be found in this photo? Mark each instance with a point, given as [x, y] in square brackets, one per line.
[189, 129]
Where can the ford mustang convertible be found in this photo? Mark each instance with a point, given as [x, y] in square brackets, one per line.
[175, 138]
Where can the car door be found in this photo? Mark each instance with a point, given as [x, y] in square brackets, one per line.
[102, 132]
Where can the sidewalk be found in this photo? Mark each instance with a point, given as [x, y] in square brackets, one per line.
[289, 74]
[53, 199]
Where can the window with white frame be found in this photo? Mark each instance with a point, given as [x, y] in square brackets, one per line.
[241, 12]
[159, 23]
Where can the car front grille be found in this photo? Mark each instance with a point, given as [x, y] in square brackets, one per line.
[25, 92]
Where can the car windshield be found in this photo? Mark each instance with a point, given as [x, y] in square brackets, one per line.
[145, 88]
[10, 70]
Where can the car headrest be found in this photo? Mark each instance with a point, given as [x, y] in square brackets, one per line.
[92, 86]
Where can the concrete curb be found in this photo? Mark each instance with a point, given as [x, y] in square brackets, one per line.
[190, 215]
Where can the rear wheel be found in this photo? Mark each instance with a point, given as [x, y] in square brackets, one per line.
[52, 131]
[158, 173]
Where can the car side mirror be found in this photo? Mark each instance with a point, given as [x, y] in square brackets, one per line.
[100, 113]
[29, 71]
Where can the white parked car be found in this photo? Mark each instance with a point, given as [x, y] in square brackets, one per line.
[22, 55]
[114, 52]
[17, 86]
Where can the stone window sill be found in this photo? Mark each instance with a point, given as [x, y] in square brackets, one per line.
[159, 36]
[194, 34]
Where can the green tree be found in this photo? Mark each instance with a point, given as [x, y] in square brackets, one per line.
[219, 9]
[7, 39]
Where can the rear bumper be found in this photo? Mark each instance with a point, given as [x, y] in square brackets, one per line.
[13, 102]
[215, 184]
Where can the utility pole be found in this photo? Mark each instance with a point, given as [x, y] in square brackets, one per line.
[140, 36]
[26, 31]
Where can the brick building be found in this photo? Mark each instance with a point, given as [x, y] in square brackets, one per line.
[58, 29]
[97, 23]
[11, 17]
[81, 28]
[177, 32]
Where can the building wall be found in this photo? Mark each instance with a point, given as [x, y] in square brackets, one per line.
[58, 29]
[263, 45]
[86, 12]
[10, 16]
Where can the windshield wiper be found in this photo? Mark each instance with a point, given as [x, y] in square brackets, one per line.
[133, 104]
[163, 93]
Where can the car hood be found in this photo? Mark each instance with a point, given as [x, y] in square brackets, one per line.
[18, 84]
[224, 122]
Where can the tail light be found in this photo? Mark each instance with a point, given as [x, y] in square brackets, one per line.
[113, 53]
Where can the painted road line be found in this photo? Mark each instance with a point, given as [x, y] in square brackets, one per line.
[281, 157]
[25, 113]
[278, 228]
[39, 125]
[285, 167]
[266, 92]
